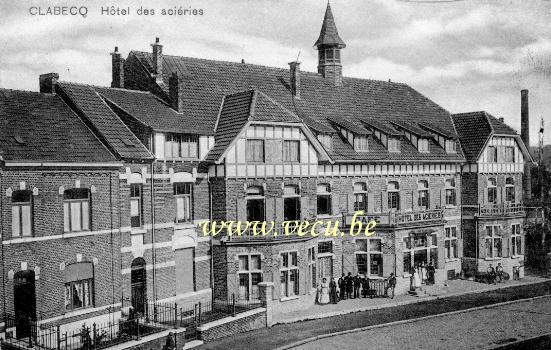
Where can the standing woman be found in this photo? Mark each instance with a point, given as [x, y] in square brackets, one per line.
[416, 278]
[324, 292]
[423, 273]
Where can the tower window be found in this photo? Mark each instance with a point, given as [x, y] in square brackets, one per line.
[330, 55]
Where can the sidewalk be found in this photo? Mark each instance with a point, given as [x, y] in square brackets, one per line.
[453, 288]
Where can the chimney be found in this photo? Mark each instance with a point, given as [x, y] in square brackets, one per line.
[294, 79]
[501, 119]
[175, 89]
[47, 82]
[525, 136]
[158, 60]
[117, 69]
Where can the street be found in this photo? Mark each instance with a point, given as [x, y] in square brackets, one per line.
[469, 330]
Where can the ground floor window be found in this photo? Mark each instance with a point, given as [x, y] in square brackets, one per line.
[250, 275]
[493, 241]
[289, 274]
[369, 257]
[419, 249]
[516, 240]
[312, 266]
[78, 294]
[450, 242]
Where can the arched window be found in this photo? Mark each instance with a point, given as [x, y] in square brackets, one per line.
[76, 209]
[423, 194]
[393, 189]
[79, 286]
[510, 189]
[492, 191]
[360, 196]
[255, 203]
[291, 202]
[22, 213]
[324, 199]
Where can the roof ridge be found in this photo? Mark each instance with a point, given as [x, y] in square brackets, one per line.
[105, 87]
[28, 91]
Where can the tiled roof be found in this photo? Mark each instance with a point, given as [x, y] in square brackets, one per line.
[383, 126]
[207, 81]
[108, 125]
[354, 127]
[474, 129]
[151, 111]
[41, 127]
[329, 34]
[412, 128]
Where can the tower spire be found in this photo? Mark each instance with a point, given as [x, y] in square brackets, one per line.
[329, 45]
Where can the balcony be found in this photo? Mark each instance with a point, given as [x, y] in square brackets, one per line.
[277, 235]
[501, 210]
[400, 219]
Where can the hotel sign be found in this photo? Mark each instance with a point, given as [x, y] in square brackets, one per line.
[397, 219]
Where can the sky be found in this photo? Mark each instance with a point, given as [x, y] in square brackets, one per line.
[464, 55]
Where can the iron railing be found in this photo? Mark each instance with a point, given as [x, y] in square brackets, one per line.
[502, 209]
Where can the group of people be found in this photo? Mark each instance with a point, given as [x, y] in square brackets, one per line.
[494, 274]
[348, 287]
[422, 274]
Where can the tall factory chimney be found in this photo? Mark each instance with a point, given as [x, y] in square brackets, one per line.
[525, 136]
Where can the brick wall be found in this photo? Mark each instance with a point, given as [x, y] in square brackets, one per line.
[230, 326]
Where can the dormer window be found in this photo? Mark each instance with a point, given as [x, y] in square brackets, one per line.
[450, 146]
[330, 55]
[393, 144]
[423, 145]
[325, 140]
[360, 143]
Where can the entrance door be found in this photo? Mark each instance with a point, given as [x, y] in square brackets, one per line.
[138, 280]
[325, 267]
[24, 295]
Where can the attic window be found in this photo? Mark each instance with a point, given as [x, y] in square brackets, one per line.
[128, 143]
[450, 146]
[393, 144]
[423, 145]
[19, 140]
[360, 143]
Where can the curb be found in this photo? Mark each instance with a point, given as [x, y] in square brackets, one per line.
[400, 303]
[322, 336]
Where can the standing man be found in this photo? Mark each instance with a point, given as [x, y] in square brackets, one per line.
[342, 287]
[357, 284]
[349, 285]
[333, 291]
[499, 272]
[491, 274]
[391, 284]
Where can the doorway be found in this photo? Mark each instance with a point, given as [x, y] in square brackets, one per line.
[138, 283]
[325, 267]
[24, 295]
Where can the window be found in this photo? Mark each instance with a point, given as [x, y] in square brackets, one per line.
[181, 146]
[250, 275]
[419, 248]
[312, 266]
[135, 205]
[450, 242]
[510, 189]
[423, 194]
[326, 141]
[325, 247]
[22, 213]
[516, 240]
[492, 191]
[360, 143]
[450, 146]
[509, 154]
[76, 209]
[450, 192]
[324, 199]
[182, 195]
[291, 203]
[330, 55]
[79, 286]
[291, 151]
[255, 203]
[393, 145]
[360, 196]
[423, 145]
[393, 189]
[289, 274]
[492, 154]
[369, 256]
[255, 151]
[493, 242]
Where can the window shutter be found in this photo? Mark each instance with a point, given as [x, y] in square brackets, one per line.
[350, 206]
[500, 195]
[371, 202]
[388, 264]
[279, 211]
[335, 204]
[241, 209]
[270, 209]
[442, 198]
[415, 200]
[343, 203]
[384, 201]
[276, 279]
[304, 209]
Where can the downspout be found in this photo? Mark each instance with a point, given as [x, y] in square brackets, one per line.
[111, 243]
[2, 243]
[211, 243]
[153, 248]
